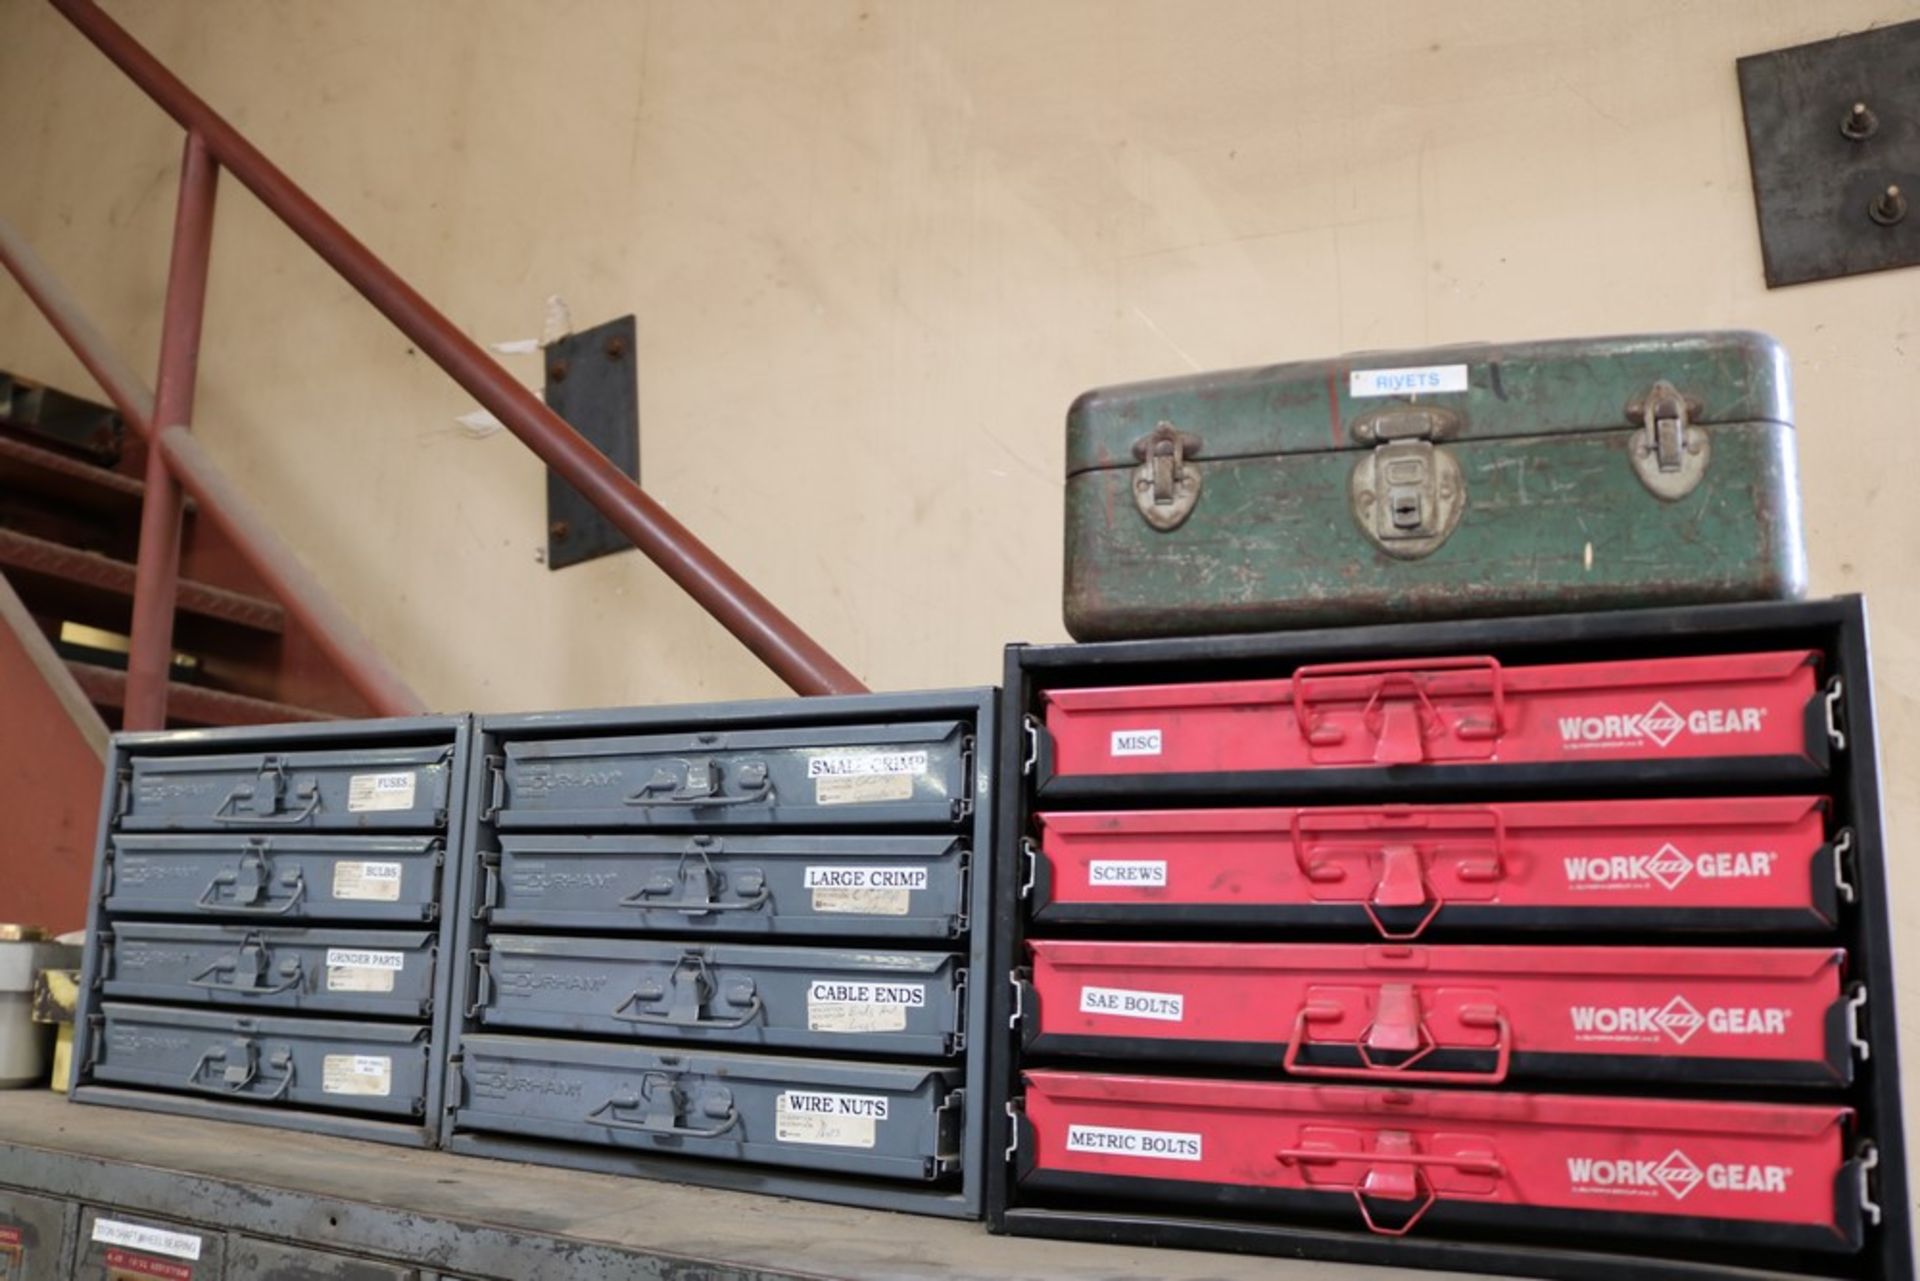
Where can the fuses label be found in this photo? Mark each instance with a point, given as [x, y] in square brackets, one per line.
[1161, 1145]
[369, 793]
[1168, 1007]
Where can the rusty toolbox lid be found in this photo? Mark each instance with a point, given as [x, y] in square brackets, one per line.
[1478, 390]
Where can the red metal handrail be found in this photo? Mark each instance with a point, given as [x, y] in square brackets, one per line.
[775, 639]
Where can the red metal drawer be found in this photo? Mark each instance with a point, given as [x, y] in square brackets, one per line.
[1393, 1013]
[1736, 863]
[1433, 1160]
[1447, 711]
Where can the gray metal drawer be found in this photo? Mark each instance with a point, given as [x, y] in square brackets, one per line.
[327, 971]
[793, 886]
[366, 789]
[128, 1247]
[276, 878]
[335, 1064]
[250, 1259]
[846, 776]
[897, 1122]
[798, 998]
[35, 1234]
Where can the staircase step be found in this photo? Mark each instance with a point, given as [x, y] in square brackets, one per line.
[31, 469]
[38, 562]
[192, 704]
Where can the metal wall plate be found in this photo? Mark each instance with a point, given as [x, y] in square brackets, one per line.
[592, 383]
[1833, 136]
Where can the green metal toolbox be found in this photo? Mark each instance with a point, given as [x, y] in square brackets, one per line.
[1461, 481]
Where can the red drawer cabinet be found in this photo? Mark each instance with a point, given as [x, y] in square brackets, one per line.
[1710, 863]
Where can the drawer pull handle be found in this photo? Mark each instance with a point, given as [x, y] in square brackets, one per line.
[1394, 1151]
[700, 787]
[256, 960]
[665, 1110]
[701, 882]
[1413, 678]
[236, 1077]
[691, 989]
[251, 878]
[1372, 1069]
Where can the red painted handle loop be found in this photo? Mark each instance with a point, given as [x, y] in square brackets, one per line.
[1475, 1016]
[1413, 674]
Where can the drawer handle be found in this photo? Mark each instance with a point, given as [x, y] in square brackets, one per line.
[1371, 1069]
[1406, 841]
[235, 1078]
[691, 987]
[261, 961]
[253, 875]
[700, 788]
[301, 815]
[1414, 677]
[1394, 1150]
[700, 883]
[754, 1008]
[664, 1111]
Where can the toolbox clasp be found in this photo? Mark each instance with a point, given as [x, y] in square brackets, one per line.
[1669, 452]
[1165, 486]
[1407, 492]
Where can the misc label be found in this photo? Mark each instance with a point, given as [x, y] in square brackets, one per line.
[139, 1236]
[357, 1074]
[1161, 1145]
[1666, 867]
[1413, 380]
[836, 1006]
[373, 882]
[355, 969]
[125, 1266]
[1168, 1007]
[1675, 1175]
[828, 1120]
[1134, 742]
[1115, 871]
[865, 891]
[368, 793]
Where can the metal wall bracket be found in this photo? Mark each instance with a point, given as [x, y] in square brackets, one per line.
[1833, 136]
[592, 383]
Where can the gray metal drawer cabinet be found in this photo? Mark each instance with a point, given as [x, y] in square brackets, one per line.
[819, 776]
[383, 973]
[899, 1122]
[35, 1237]
[125, 1247]
[797, 998]
[275, 878]
[361, 789]
[334, 1064]
[784, 886]
[251, 1259]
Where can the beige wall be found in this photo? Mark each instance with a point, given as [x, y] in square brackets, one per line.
[876, 248]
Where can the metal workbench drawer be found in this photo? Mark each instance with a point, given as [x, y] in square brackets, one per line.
[335, 1064]
[115, 1246]
[820, 776]
[357, 789]
[785, 886]
[250, 1259]
[35, 1237]
[282, 878]
[802, 998]
[383, 973]
[900, 1122]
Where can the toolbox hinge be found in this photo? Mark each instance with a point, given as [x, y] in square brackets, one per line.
[1016, 1109]
[1407, 492]
[482, 982]
[123, 800]
[496, 788]
[1029, 866]
[489, 896]
[1856, 1021]
[1669, 452]
[1030, 726]
[963, 918]
[1836, 717]
[958, 1039]
[1843, 864]
[1165, 487]
[1019, 980]
[1866, 1163]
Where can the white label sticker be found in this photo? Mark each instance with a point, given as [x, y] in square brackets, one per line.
[1115, 871]
[354, 969]
[865, 891]
[1136, 742]
[837, 1006]
[829, 1120]
[861, 789]
[356, 1074]
[181, 1245]
[370, 792]
[866, 764]
[377, 882]
[1162, 1145]
[1168, 1007]
[1419, 380]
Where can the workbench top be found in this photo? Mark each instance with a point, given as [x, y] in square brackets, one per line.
[477, 1218]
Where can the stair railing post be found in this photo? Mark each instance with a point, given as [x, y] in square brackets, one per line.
[157, 572]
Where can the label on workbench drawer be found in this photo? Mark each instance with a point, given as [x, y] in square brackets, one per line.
[1130, 872]
[865, 891]
[1161, 1145]
[865, 778]
[376, 882]
[181, 1245]
[123, 1266]
[1168, 1007]
[830, 1120]
[357, 1074]
[356, 969]
[369, 793]
[837, 1006]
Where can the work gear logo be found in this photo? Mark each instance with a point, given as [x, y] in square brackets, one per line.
[1679, 1020]
[1661, 723]
[1677, 1174]
[1669, 866]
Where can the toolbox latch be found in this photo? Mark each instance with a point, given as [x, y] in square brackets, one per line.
[1407, 492]
[1165, 488]
[1669, 452]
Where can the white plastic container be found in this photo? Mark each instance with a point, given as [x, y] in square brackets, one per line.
[24, 1044]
